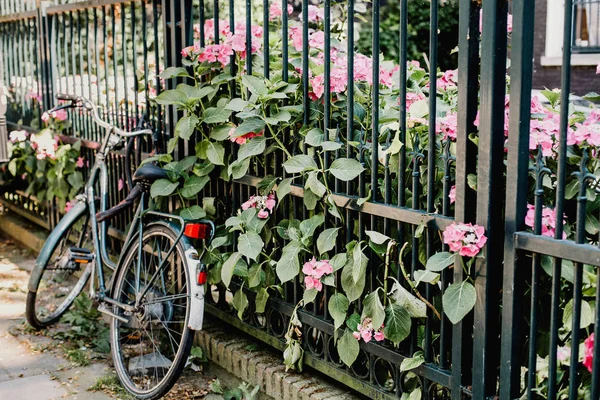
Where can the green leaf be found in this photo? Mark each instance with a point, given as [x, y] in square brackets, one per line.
[250, 245]
[193, 212]
[359, 263]
[277, 118]
[221, 78]
[346, 169]
[326, 240]
[308, 226]
[458, 299]
[419, 109]
[411, 363]
[299, 163]
[288, 266]
[194, 185]
[592, 96]
[186, 163]
[338, 308]
[252, 147]
[238, 169]
[353, 321]
[397, 323]
[186, 125]
[284, 188]
[170, 97]
[372, 308]
[216, 115]
[315, 185]
[348, 348]
[426, 276]
[228, 267]
[309, 296]
[220, 132]
[173, 72]
[586, 319]
[376, 237]
[331, 146]
[265, 186]
[193, 93]
[255, 274]
[403, 298]
[75, 180]
[472, 181]
[310, 200]
[216, 153]
[236, 104]
[315, 137]
[249, 125]
[338, 261]
[352, 288]
[261, 300]
[240, 302]
[163, 187]
[255, 85]
[440, 261]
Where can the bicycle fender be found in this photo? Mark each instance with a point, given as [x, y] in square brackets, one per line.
[197, 291]
[75, 212]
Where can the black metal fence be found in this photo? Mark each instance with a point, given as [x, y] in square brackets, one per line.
[113, 51]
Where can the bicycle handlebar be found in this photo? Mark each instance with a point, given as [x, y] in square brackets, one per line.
[79, 101]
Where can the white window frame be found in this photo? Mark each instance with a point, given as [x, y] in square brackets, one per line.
[555, 15]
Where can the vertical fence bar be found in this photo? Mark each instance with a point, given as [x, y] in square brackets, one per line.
[516, 196]
[489, 197]
[468, 78]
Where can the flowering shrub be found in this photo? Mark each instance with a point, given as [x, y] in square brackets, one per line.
[238, 120]
[49, 168]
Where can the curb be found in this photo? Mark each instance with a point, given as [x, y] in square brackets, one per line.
[227, 349]
[264, 367]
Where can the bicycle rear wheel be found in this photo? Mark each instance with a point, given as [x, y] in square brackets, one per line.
[150, 351]
[61, 279]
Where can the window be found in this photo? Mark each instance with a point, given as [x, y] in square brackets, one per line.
[586, 33]
[586, 24]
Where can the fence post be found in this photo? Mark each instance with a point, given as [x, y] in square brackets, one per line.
[516, 196]
[468, 77]
[490, 198]
[44, 63]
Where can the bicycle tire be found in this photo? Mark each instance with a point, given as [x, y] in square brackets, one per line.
[142, 323]
[34, 310]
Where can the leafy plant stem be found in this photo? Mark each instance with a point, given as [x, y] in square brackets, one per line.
[390, 248]
[412, 285]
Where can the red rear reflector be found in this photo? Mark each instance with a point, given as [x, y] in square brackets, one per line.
[197, 231]
[202, 276]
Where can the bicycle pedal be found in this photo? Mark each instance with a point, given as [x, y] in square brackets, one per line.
[80, 256]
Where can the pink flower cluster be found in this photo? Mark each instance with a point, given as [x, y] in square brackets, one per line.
[68, 206]
[548, 220]
[315, 14]
[60, 115]
[79, 163]
[314, 271]
[448, 80]
[276, 12]
[452, 194]
[447, 126]
[18, 136]
[244, 138]
[588, 355]
[264, 205]
[366, 331]
[466, 239]
[230, 43]
[44, 144]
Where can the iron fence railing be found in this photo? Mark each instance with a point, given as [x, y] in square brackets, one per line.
[113, 51]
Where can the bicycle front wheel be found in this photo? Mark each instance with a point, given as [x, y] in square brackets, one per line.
[151, 350]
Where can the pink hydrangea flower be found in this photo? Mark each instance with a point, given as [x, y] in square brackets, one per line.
[60, 115]
[18, 136]
[315, 14]
[317, 40]
[120, 185]
[313, 283]
[366, 332]
[448, 126]
[296, 37]
[244, 138]
[466, 239]
[452, 194]
[276, 12]
[264, 205]
[588, 355]
[68, 206]
[79, 162]
[548, 220]
[448, 80]
[316, 268]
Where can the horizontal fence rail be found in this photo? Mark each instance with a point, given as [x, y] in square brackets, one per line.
[463, 153]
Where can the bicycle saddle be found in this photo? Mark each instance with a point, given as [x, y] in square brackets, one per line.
[148, 173]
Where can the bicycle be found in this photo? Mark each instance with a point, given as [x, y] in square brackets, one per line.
[155, 297]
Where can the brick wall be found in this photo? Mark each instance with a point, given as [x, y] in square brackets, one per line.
[583, 79]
